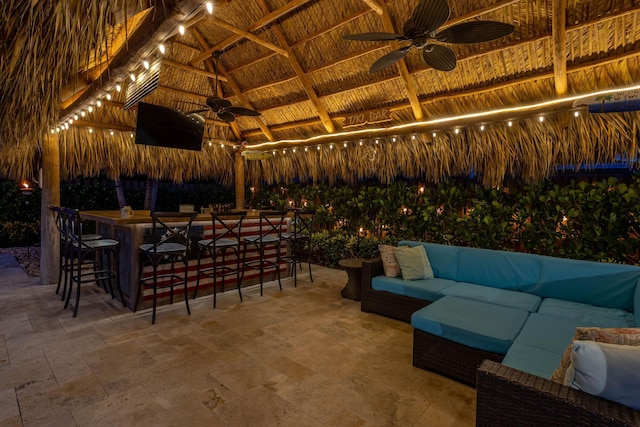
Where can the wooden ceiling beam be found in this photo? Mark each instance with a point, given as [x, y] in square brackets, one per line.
[479, 91]
[559, 37]
[250, 36]
[407, 79]
[194, 70]
[302, 76]
[216, 88]
[373, 4]
[266, 20]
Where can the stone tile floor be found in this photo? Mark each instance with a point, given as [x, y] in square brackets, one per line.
[301, 357]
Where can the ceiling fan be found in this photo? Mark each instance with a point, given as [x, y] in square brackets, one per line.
[422, 29]
[220, 106]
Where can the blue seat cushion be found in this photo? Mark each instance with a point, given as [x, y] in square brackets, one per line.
[540, 344]
[476, 324]
[587, 315]
[424, 289]
[505, 297]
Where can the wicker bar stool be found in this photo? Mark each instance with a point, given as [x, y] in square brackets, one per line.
[169, 245]
[100, 255]
[227, 229]
[269, 235]
[298, 238]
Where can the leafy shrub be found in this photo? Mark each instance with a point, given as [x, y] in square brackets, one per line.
[16, 233]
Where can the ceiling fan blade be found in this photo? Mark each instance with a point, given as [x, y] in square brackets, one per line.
[241, 111]
[430, 14]
[475, 32]
[226, 116]
[439, 57]
[216, 103]
[374, 37]
[197, 111]
[389, 59]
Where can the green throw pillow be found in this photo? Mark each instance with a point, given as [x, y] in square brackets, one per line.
[414, 263]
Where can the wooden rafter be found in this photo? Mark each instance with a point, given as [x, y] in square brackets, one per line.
[238, 93]
[559, 36]
[250, 36]
[191, 69]
[266, 20]
[544, 75]
[304, 80]
[373, 4]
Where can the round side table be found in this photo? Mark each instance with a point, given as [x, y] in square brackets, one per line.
[353, 267]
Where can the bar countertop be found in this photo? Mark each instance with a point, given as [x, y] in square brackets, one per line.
[113, 217]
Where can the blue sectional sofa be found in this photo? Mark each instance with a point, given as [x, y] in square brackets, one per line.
[517, 309]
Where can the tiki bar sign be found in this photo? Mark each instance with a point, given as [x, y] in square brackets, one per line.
[367, 117]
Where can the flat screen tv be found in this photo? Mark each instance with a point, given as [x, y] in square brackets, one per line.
[166, 127]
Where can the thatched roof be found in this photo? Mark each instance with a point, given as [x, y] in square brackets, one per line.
[287, 59]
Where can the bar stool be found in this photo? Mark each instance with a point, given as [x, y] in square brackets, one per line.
[66, 249]
[269, 234]
[227, 229]
[100, 254]
[299, 241]
[169, 245]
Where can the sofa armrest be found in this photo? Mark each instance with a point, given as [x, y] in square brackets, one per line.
[370, 269]
[508, 397]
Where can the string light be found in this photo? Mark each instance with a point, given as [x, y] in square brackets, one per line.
[541, 119]
[413, 137]
[394, 139]
[482, 128]
[210, 143]
[331, 146]
[181, 30]
[433, 134]
[361, 143]
[111, 133]
[209, 7]
[457, 131]
[82, 113]
[132, 77]
[377, 141]
[99, 103]
[131, 134]
[510, 123]
[90, 109]
[118, 87]
[53, 131]
[70, 121]
[306, 149]
[90, 130]
[161, 48]
[145, 64]
[294, 150]
[75, 117]
[108, 97]
[318, 148]
[345, 145]
[576, 113]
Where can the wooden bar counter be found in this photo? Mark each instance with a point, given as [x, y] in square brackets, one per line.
[130, 232]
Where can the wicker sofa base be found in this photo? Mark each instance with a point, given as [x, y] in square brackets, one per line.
[395, 306]
[448, 358]
[509, 397]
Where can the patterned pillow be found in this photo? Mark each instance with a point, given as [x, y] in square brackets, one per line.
[389, 261]
[623, 336]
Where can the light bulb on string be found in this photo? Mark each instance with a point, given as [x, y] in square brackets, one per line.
[161, 48]
[541, 119]
[70, 121]
[318, 148]
[433, 134]
[209, 7]
[98, 103]
[90, 109]
[82, 113]
[181, 30]
[482, 128]
[90, 130]
[75, 117]
[111, 133]
[394, 139]
[361, 143]
[132, 77]
[576, 114]
[345, 145]
[510, 123]
[145, 64]
[108, 96]
[457, 131]
[306, 149]
[118, 87]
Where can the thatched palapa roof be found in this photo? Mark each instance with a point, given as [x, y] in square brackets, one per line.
[288, 60]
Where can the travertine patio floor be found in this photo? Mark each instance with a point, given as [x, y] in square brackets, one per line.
[301, 357]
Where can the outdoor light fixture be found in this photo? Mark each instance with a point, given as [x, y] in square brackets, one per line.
[26, 189]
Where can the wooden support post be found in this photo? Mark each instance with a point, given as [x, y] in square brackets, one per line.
[239, 171]
[50, 183]
[559, 32]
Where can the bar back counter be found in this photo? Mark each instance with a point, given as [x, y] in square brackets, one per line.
[131, 232]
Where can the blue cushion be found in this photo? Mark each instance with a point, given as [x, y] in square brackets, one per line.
[424, 289]
[532, 360]
[636, 305]
[596, 283]
[539, 346]
[499, 269]
[472, 323]
[443, 258]
[514, 299]
[587, 315]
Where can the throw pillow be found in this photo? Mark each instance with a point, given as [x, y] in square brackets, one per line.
[610, 371]
[414, 263]
[389, 261]
[625, 336]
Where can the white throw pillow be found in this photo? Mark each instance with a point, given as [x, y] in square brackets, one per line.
[414, 263]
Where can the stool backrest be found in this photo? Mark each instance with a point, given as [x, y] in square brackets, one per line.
[271, 223]
[170, 227]
[302, 223]
[227, 225]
